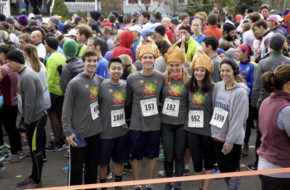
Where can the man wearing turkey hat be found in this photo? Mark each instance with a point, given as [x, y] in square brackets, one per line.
[143, 92]
[174, 112]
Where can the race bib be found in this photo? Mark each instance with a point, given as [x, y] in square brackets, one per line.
[171, 107]
[149, 107]
[94, 110]
[195, 119]
[118, 118]
[219, 117]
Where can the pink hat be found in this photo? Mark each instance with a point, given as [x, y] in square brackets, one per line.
[273, 18]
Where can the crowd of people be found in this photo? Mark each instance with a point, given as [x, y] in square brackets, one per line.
[120, 89]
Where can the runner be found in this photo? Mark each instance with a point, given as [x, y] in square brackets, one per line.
[275, 128]
[82, 123]
[198, 134]
[114, 139]
[174, 113]
[33, 115]
[247, 70]
[230, 100]
[143, 90]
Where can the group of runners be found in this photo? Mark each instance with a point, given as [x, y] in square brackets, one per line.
[122, 88]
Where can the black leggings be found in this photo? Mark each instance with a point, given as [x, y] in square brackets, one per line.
[35, 140]
[273, 183]
[201, 150]
[229, 162]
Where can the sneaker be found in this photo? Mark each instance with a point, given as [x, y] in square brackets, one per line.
[15, 158]
[216, 169]
[28, 183]
[64, 169]
[139, 187]
[161, 173]
[4, 147]
[53, 147]
[148, 187]
[252, 166]
[169, 186]
[245, 150]
[128, 167]
[186, 172]
[110, 176]
[2, 168]
[67, 153]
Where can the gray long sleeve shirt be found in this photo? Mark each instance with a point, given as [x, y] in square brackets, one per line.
[112, 106]
[31, 103]
[81, 106]
[143, 92]
[268, 64]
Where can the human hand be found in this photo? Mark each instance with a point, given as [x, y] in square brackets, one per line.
[71, 140]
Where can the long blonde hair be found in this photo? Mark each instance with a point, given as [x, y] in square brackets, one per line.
[185, 76]
[33, 57]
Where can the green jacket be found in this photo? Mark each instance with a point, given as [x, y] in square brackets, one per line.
[192, 46]
[53, 64]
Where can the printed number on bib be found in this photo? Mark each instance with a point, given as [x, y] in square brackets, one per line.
[118, 118]
[94, 110]
[171, 107]
[149, 107]
[219, 117]
[195, 119]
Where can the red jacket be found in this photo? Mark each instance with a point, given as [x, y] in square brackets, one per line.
[213, 31]
[126, 40]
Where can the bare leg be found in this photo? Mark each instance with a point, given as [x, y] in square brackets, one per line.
[103, 172]
[206, 182]
[136, 166]
[118, 169]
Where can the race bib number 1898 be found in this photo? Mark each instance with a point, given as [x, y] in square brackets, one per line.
[219, 117]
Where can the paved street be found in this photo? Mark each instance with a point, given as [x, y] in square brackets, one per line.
[54, 176]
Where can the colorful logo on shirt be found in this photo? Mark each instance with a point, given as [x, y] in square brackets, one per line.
[149, 88]
[198, 99]
[93, 90]
[175, 90]
[118, 97]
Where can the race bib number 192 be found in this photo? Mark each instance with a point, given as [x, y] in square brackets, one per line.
[171, 107]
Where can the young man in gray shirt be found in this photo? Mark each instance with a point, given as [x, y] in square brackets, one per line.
[31, 107]
[82, 122]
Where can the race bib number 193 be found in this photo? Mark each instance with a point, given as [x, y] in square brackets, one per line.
[149, 107]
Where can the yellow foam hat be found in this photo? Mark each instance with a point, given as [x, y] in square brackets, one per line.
[175, 54]
[200, 59]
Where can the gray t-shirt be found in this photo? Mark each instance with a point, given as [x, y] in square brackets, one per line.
[143, 92]
[160, 65]
[112, 106]
[199, 101]
[174, 95]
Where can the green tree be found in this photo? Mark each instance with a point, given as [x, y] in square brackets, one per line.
[60, 9]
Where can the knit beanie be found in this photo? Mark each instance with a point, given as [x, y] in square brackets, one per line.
[149, 48]
[200, 59]
[228, 27]
[175, 21]
[95, 15]
[277, 42]
[54, 20]
[175, 54]
[183, 16]
[70, 48]
[2, 17]
[52, 42]
[160, 29]
[22, 20]
[16, 56]
[187, 28]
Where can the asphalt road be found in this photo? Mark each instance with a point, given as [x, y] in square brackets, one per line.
[53, 175]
